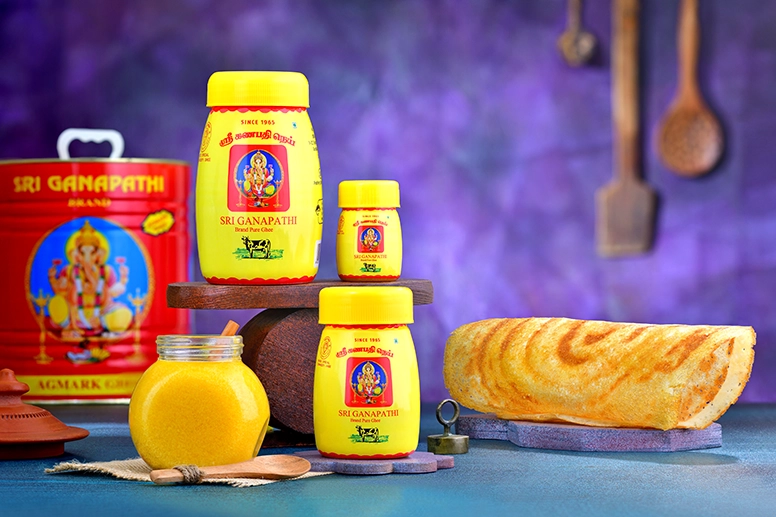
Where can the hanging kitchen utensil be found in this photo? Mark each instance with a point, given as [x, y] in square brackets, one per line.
[626, 205]
[689, 139]
[576, 45]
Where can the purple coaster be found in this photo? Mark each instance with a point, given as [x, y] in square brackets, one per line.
[482, 427]
[570, 437]
[415, 463]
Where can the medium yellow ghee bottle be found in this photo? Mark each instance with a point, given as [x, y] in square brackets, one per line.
[366, 395]
[198, 404]
[259, 199]
[369, 243]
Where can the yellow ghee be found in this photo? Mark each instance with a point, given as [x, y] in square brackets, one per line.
[366, 392]
[369, 241]
[198, 404]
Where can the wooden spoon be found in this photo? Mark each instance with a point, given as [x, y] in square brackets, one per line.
[274, 466]
[690, 140]
[576, 45]
[230, 329]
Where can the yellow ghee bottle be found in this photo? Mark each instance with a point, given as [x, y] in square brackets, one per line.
[259, 200]
[366, 392]
[198, 404]
[369, 243]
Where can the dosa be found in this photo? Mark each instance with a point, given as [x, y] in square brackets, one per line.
[599, 373]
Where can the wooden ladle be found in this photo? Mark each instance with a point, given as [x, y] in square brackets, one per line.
[577, 46]
[273, 466]
[689, 140]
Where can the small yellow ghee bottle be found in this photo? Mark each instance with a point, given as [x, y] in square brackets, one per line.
[198, 404]
[369, 243]
[366, 394]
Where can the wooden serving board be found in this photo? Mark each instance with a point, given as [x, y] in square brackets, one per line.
[201, 295]
[571, 437]
[415, 463]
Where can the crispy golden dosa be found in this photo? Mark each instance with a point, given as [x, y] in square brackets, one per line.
[599, 373]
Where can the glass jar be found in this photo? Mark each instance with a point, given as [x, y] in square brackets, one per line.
[366, 392]
[198, 404]
[369, 243]
[259, 201]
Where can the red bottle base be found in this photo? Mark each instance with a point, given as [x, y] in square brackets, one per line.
[367, 278]
[365, 457]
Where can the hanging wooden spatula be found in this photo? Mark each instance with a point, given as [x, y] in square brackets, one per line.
[626, 205]
[273, 466]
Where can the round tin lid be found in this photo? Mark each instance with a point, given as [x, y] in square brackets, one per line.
[28, 431]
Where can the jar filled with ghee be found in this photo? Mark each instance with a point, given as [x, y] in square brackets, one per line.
[198, 404]
[366, 394]
[369, 243]
[259, 200]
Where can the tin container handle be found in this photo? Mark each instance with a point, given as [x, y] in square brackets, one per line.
[90, 135]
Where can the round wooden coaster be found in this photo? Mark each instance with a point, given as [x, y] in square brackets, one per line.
[571, 437]
[415, 463]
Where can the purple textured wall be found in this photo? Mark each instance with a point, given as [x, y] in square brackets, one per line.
[498, 145]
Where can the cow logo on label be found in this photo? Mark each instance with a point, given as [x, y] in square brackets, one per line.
[370, 382]
[260, 249]
[258, 179]
[370, 239]
[89, 283]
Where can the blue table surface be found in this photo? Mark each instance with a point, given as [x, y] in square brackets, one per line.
[494, 478]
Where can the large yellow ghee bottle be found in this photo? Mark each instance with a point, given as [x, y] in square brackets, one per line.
[366, 392]
[259, 199]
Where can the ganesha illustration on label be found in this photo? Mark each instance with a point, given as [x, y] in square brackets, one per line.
[89, 283]
[370, 382]
[258, 178]
[370, 239]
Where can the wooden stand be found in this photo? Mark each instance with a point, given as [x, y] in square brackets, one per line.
[281, 342]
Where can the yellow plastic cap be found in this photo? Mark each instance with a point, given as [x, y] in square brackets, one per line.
[369, 194]
[258, 89]
[365, 306]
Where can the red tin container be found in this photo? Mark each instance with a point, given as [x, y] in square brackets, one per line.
[89, 246]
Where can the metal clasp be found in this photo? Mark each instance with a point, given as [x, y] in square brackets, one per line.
[448, 443]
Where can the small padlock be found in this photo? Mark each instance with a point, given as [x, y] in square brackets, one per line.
[448, 443]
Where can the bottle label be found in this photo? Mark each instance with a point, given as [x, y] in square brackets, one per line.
[369, 245]
[258, 179]
[370, 239]
[366, 401]
[369, 381]
[259, 198]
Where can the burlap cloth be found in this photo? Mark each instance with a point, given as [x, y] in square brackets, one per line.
[135, 469]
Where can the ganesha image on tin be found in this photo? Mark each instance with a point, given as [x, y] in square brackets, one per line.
[85, 290]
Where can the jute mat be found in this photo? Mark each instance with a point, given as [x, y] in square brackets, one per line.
[135, 469]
